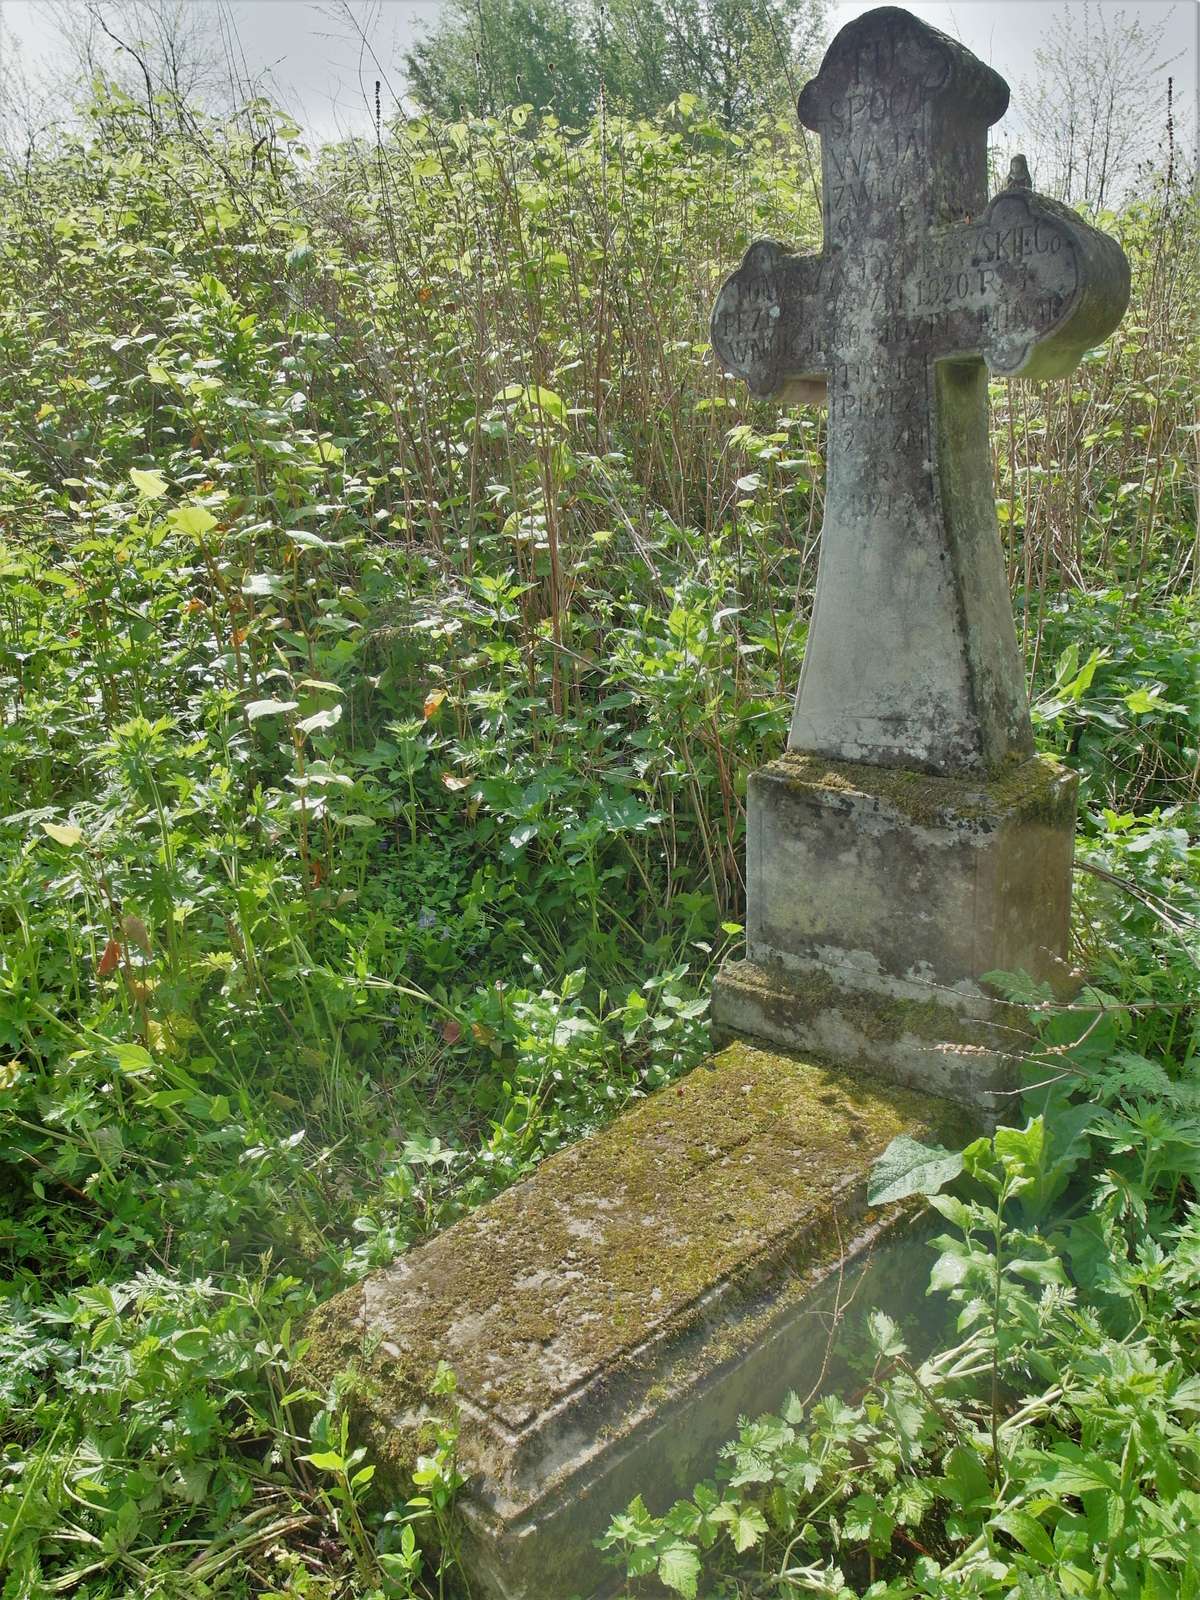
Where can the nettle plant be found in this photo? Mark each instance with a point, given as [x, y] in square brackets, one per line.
[1050, 1448]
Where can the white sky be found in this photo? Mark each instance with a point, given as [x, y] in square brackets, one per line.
[321, 74]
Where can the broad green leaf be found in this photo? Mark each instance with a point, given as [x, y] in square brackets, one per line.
[1069, 1470]
[679, 1568]
[533, 397]
[150, 485]
[326, 1460]
[1029, 1534]
[193, 520]
[263, 583]
[1044, 1271]
[907, 1167]
[320, 719]
[949, 1270]
[747, 1528]
[269, 708]
[966, 1477]
[133, 1059]
[65, 833]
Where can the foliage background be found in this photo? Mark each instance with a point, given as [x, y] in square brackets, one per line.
[395, 599]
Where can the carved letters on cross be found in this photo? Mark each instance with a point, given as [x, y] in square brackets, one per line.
[911, 657]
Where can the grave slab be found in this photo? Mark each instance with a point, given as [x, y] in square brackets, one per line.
[610, 1317]
[879, 898]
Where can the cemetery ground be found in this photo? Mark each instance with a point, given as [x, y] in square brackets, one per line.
[395, 600]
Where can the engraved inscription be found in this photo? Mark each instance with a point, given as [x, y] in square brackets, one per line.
[745, 322]
[876, 168]
[881, 407]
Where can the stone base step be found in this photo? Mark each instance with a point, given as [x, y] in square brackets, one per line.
[972, 1056]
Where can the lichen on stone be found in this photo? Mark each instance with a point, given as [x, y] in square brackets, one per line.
[745, 1170]
[1037, 789]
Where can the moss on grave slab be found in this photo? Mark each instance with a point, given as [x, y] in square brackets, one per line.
[1037, 790]
[615, 1248]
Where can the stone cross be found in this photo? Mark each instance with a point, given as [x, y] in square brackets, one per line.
[921, 290]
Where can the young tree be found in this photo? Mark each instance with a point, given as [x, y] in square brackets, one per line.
[147, 47]
[740, 56]
[485, 54]
[1091, 109]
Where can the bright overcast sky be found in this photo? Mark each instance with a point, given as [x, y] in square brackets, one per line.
[321, 73]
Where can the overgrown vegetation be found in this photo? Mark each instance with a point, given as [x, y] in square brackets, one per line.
[395, 599]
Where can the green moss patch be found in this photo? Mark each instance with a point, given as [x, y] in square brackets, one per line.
[1039, 789]
[621, 1244]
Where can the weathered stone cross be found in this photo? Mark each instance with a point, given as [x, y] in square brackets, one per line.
[922, 288]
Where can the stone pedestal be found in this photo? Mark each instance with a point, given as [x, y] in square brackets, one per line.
[609, 1318]
[879, 899]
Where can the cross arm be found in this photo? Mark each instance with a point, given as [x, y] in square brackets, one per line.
[1029, 286]
[771, 323]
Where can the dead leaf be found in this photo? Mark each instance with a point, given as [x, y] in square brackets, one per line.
[433, 701]
[454, 783]
[134, 928]
[451, 1031]
[109, 960]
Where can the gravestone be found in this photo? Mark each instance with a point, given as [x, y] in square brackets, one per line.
[610, 1317]
[910, 842]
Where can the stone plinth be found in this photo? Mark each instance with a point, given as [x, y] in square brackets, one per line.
[879, 899]
[610, 1317]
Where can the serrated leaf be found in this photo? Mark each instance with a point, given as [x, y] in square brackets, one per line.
[885, 1335]
[747, 1528]
[1069, 1470]
[679, 1568]
[907, 1167]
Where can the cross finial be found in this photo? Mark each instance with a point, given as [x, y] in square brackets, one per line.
[921, 288]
